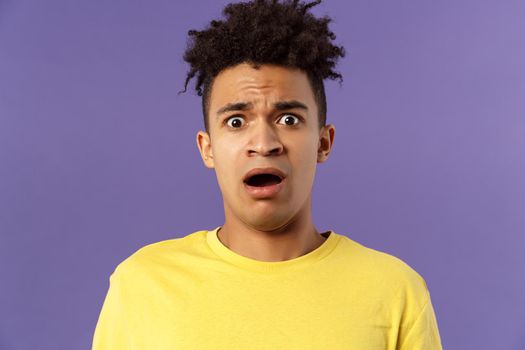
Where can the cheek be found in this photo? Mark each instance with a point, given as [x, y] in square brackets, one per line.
[305, 163]
[220, 154]
[225, 165]
[308, 149]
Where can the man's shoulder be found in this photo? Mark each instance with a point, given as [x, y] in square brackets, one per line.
[169, 252]
[384, 268]
[172, 245]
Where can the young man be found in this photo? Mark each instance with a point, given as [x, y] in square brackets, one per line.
[266, 278]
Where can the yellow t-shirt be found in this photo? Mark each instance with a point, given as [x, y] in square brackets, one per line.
[195, 293]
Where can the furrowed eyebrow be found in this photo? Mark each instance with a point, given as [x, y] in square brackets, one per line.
[242, 106]
[282, 105]
[230, 107]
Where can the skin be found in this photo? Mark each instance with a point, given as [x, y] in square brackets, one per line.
[268, 229]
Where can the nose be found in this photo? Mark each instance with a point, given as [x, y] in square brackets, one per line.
[264, 141]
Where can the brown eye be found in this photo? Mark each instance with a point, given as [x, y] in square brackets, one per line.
[234, 122]
[289, 119]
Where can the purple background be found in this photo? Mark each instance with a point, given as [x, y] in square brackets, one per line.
[98, 155]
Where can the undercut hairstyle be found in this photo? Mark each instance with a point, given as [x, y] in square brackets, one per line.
[264, 32]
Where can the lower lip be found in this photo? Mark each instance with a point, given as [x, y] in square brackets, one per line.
[264, 191]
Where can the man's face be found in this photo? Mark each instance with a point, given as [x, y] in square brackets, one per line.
[260, 118]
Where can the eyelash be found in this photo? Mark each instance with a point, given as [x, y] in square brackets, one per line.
[280, 117]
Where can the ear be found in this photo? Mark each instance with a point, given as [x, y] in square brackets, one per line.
[326, 142]
[204, 145]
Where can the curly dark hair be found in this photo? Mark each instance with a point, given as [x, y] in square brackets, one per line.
[264, 32]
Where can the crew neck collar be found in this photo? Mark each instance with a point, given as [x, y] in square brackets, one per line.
[271, 266]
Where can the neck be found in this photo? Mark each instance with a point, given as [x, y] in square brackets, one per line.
[288, 241]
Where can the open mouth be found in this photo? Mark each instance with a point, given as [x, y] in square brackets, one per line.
[262, 180]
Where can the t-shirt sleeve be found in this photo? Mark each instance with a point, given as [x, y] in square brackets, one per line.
[111, 331]
[424, 333]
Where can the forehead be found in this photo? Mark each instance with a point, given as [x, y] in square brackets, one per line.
[265, 84]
